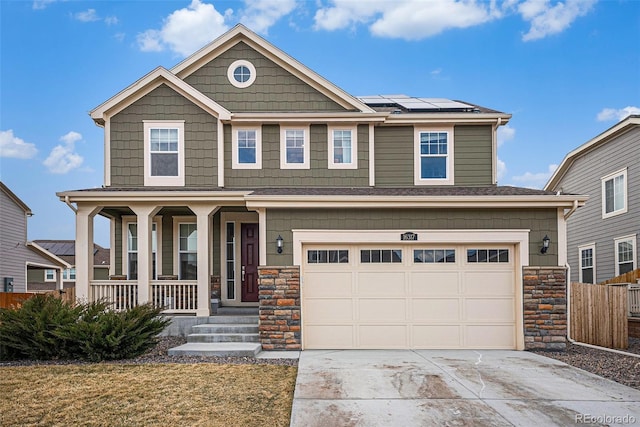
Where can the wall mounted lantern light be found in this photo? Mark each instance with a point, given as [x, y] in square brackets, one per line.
[279, 242]
[545, 244]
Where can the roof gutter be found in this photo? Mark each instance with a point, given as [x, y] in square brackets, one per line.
[572, 210]
[68, 203]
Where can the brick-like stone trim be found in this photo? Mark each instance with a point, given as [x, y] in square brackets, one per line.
[279, 297]
[545, 308]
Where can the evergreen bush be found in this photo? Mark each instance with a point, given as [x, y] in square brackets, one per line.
[46, 328]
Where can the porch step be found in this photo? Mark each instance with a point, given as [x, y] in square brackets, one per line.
[223, 338]
[238, 311]
[218, 349]
[225, 319]
[224, 328]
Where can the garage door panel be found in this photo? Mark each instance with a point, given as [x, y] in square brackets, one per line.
[382, 310]
[436, 309]
[382, 336]
[488, 283]
[328, 310]
[321, 284]
[436, 336]
[489, 309]
[329, 337]
[434, 283]
[490, 336]
[381, 284]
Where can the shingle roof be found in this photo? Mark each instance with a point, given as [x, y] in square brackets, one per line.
[66, 249]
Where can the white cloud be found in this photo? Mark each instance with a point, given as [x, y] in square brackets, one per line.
[406, 19]
[41, 4]
[502, 169]
[260, 15]
[63, 157]
[88, 15]
[535, 180]
[111, 20]
[505, 133]
[419, 19]
[610, 114]
[185, 30]
[548, 19]
[14, 147]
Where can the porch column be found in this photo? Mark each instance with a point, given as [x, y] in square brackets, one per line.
[144, 213]
[84, 249]
[203, 214]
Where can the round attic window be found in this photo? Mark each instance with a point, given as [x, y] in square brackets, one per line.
[241, 73]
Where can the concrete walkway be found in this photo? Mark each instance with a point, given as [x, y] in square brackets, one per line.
[454, 388]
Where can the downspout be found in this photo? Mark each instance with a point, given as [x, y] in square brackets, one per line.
[494, 148]
[571, 340]
[73, 208]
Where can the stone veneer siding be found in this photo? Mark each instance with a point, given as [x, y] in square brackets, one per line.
[545, 308]
[279, 310]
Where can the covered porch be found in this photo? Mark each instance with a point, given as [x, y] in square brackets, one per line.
[171, 248]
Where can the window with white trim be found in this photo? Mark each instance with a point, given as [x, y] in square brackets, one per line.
[49, 275]
[433, 163]
[187, 251]
[294, 148]
[132, 250]
[241, 73]
[625, 248]
[488, 255]
[343, 147]
[587, 259]
[247, 148]
[69, 274]
[614, 194]
[328, 256]
[164, 153]
[434, 256]
[384, 256]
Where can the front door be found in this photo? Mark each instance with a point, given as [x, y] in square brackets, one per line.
[250, 262]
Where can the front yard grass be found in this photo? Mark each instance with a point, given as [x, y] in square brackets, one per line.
[204, 394]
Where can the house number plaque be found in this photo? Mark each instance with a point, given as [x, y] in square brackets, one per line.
[408, 236]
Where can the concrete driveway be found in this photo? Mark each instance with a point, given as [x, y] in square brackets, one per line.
[454, 388]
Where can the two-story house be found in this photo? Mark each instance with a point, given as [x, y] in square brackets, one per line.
[20, 257]
[602, 237]
[352, 222]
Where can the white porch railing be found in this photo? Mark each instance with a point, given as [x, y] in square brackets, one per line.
[174, 296]
[634, 300]
[122, 294]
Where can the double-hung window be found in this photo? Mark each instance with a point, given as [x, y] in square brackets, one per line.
[614, 194]
[587, 258]
[433, 163]
[294, 147]
[164, 153]
[132, 250]
[247, 148]
[343, 149]
[49, 275]
[188, 251]
[625, 248]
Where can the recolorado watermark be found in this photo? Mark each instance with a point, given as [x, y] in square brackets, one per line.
[605, 419]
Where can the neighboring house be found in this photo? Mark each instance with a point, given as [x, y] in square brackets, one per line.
[371, 222]
[19, 257]
[45, 280]
[602, 237]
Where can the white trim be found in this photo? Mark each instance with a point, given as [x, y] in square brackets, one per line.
[132, 219]
[634, 244]
[220, 153]
[306, 146]
[417, 169]
[562, 238]
[107, 153]
[372, 158]
[241, 63]
[172, 181]
[331, 149]
[612, 177]
[235, 164]
[581, 248]
[53, 279]
[177, 220]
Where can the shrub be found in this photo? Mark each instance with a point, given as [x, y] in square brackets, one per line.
[47, 328]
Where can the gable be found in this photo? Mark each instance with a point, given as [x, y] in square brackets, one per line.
[275, 89]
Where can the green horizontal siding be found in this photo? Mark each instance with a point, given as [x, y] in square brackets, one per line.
[541, 222]
[473, 155]
[394, 156]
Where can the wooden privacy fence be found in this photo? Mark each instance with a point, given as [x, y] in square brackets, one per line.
[599, 315]
[15, 299]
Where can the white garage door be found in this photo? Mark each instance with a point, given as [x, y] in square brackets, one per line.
[408, 296]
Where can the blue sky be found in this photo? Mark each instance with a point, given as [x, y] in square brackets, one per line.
[567, 70]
